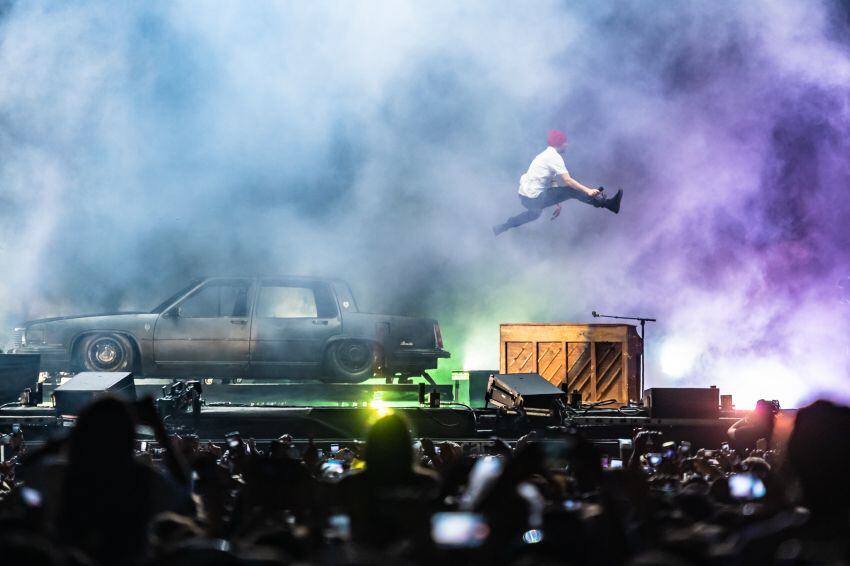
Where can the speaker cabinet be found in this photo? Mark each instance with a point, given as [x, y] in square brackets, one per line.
[526, 391]
[17, 372]
[73, 396]
[682, 402]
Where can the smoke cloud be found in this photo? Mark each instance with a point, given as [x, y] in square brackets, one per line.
[145, 144]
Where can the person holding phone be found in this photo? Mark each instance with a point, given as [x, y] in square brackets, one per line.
[757, 425]
[107, 496]
[548, 183]
[391, 498]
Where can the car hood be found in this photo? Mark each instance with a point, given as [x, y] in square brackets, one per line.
[79, 316]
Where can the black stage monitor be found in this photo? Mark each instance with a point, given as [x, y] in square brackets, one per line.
[17, 372]
[72, 396]
[682, 402]
[527, 391]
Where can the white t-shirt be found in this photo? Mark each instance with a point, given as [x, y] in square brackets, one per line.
[542, 173]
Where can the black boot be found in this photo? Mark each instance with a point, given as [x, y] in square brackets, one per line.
[612, 204]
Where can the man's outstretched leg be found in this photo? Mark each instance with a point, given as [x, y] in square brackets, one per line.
[557, 195]
[599, 201]
[523, 218]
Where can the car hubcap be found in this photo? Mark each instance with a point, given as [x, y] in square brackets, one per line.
[355, 357]
[105, 353]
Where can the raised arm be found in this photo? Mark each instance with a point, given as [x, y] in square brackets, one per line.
[573, 184]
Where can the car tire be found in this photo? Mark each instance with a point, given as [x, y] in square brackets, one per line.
[106, 352]
[350, 361]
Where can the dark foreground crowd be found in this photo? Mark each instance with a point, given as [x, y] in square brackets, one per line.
[94, 499]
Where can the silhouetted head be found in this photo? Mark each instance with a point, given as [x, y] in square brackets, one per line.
[389, 447]
[104, 433]
[819, 452]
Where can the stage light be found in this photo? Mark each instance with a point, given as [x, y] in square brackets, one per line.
[480, 351]
[380, 407]
[678, 357]
[754, 378]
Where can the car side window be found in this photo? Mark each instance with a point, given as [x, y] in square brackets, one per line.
[217, 300]
[283, 301]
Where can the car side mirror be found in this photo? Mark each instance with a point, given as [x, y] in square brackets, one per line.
[173, 312]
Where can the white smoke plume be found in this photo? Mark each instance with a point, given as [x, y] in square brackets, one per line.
[143, 144]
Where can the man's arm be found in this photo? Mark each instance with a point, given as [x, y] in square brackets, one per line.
[573, 184]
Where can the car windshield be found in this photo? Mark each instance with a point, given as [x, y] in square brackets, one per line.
[167, 302]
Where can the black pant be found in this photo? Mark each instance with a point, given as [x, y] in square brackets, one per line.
[549, 197]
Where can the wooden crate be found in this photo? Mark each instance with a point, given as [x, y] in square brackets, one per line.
[600, 360]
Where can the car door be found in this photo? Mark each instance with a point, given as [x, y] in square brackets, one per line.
[207, 332]
[292, 322]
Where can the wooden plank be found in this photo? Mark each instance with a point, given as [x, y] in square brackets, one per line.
[593, 324]
[624, 371]
[594, 394]
[609, 376]
[578, 368]
[520, 357]
[551, 362]
[564, 333]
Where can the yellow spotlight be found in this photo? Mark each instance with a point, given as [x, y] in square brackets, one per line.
[381, 408]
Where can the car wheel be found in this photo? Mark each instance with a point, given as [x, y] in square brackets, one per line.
[106, 352]
[350, 361]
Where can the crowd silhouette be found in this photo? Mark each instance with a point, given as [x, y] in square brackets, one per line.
[94, 498]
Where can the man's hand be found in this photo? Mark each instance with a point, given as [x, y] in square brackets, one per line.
[557, 212]
[594, 193]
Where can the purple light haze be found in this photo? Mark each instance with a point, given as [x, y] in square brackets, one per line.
[141, 145]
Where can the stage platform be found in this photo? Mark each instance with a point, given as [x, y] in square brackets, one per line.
[296, 393]
[342, 414]
[349, 425]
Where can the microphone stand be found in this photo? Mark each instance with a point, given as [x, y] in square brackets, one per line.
[643, 320]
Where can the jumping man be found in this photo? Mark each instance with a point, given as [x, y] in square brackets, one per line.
[548, 183]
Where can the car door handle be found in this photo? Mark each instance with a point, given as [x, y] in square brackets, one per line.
[242, 322]
[322, 322]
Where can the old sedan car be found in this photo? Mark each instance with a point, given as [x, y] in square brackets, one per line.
[272, 328]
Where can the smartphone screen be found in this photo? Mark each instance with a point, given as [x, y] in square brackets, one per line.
[746, 486]
[458, 529]
[31, 496]
[333, 468]
[334, 448]
[143, 446]
[615, 464]
[484, 473]
[339, 526]
[572, 504]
